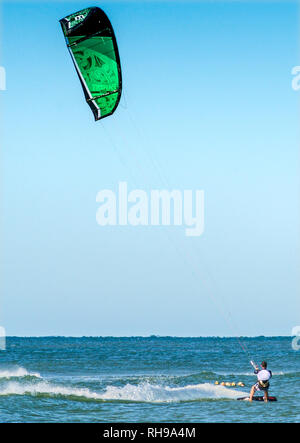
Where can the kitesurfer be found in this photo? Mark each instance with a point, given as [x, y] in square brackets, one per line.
[262, 384]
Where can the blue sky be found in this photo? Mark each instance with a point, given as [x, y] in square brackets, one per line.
[207, 104]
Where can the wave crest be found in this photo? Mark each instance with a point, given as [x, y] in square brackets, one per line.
[17, 372]
[144, 392]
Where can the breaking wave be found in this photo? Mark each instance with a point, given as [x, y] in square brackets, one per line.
[17, 372]
[144, 392]
[155, 393]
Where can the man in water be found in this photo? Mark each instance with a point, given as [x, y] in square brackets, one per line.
[262, 384]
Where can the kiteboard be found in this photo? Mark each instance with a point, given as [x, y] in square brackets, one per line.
[258, 398]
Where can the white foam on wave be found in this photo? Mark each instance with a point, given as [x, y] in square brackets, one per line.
[15, 388]
[17, 372]
[156, 393]
[144, 392]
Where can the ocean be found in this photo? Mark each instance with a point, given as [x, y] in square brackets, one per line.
[144, 379]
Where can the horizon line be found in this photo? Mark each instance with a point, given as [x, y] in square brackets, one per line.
[147, 336]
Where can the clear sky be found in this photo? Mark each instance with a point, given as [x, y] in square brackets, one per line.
[207, 104]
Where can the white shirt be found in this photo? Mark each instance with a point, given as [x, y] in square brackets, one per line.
[263, 375]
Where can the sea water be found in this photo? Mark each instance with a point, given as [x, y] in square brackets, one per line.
[145, 379]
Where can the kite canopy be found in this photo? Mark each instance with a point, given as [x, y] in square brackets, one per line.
[92, 44]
